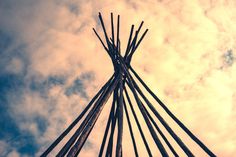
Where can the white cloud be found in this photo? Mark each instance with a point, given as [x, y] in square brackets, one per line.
[3, 147]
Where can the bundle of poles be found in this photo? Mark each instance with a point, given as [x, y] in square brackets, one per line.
[122, 85]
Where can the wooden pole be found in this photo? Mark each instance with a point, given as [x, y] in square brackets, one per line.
[107, 126]
[120, 120]
[128, 44]
[130, 129]
[113, 124]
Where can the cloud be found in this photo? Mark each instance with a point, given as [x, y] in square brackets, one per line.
[3, 147]
[53, 64]
[13, 154]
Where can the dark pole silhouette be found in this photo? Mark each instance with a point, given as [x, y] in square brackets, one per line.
[118, 85]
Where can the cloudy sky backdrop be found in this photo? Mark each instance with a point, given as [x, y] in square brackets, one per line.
[51, 65]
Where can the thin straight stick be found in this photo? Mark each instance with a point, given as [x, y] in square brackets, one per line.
[80, 142]
[163, 122]
[103, 27]
[118, 31]
[150, 127]
[120, 120]
[101, 41]
[128, 44]
[69, 143]
[161, 133]
[140, 40]
[140, 26]
[138, 124]
[119, 47]
[107, 127]
[130, 129]
[112, 29]
[113, 124]
[194, 138]
[71, 126]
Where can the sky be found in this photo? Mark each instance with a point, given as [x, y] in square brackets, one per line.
[52, 64]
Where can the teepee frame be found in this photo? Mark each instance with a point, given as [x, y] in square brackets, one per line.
[124, 77]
